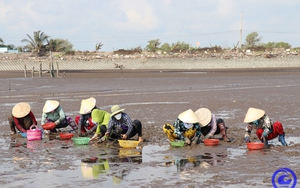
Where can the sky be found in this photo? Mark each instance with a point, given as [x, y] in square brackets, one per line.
[127, 24]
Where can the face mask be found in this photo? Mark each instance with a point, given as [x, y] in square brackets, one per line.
[255, 122]
[118, 116]
[188, 125]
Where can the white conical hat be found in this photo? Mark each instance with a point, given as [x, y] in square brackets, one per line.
[253, 114]
[87, 105]
[21, 109]
[188, 116]
[204, 116]
[50, 105]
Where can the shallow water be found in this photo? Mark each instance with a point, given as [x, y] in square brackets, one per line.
[115, 166]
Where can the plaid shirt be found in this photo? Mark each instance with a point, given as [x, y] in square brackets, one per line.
[124, 122]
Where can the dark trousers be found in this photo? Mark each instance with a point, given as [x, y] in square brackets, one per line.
[205, 130]
[103, 130]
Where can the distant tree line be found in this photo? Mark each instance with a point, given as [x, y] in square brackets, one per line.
[253, 39]
[40, 44]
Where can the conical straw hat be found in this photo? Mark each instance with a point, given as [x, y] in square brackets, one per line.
[188, 116]
[87, 105]
[204, 116]
[50, 105]
[116, 109]
[21, 110]
[253, 114]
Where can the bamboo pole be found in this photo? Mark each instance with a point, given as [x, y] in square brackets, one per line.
[51, 65]
[25, 72]
[32, 72]
[57, 70]
[40, 73]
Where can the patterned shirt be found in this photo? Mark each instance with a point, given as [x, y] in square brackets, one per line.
[264, 123]
[124, 123]
[84, 118]
[180, 129]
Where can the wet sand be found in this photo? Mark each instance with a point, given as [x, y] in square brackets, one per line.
[154, 97]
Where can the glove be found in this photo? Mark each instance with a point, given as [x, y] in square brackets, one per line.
[187, 141]
[196, 140]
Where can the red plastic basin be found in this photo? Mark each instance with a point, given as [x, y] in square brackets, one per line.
[49, 126]
[66, 136]
[255, 145]
[211, 142]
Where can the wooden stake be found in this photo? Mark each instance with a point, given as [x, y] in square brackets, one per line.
[32, 72]
[25, 72]
[40, 73]
[57, 70]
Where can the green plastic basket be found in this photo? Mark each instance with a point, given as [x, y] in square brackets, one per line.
[81, 140]
[178, 143]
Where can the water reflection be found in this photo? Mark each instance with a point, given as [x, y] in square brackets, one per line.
[110, 161]
[94, 171]
[202, 161]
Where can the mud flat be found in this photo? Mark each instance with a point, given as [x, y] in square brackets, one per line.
[154, 97]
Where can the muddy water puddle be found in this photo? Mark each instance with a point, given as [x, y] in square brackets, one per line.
[53, 161]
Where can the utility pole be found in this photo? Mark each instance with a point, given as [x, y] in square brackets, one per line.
[241, 32]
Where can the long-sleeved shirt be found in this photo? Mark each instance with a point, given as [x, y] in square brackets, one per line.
[18, 121]
[212, 125]
[180, 129]
[57, 116]
[124, 123]
[104, 117]
[264, 122]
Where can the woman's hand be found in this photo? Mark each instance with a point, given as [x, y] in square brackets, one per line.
[187, 141]
[124, 136]
[94, 137]
[207, 136]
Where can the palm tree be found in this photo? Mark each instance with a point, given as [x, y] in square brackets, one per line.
[98, 46]
[36, 44]
[59, 45]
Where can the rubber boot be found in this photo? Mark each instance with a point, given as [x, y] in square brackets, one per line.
[282, 139]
